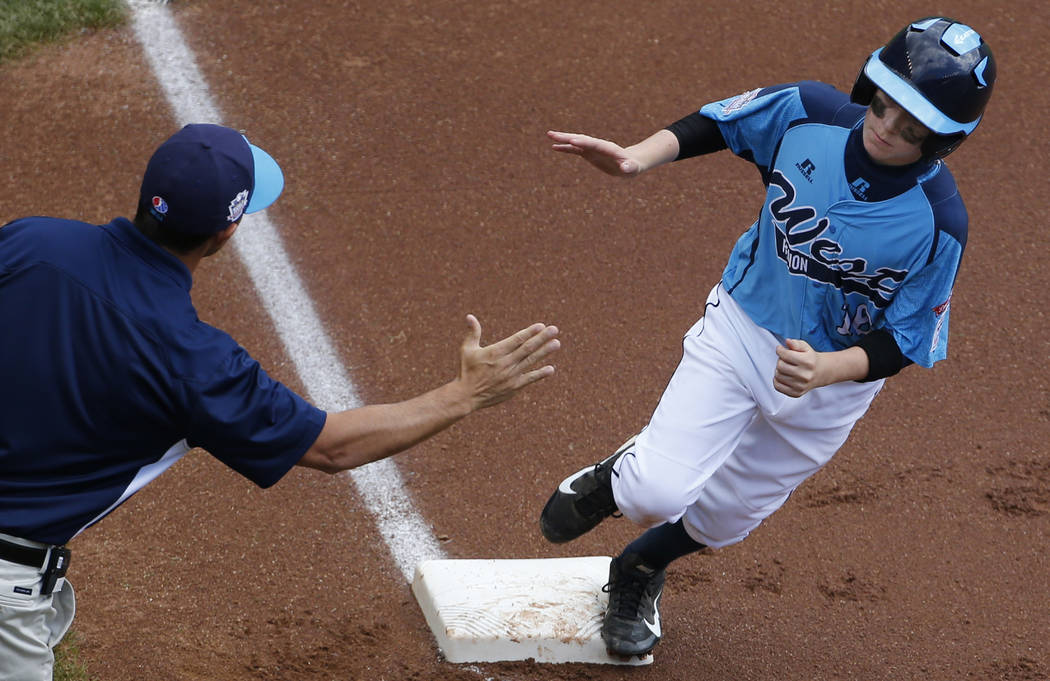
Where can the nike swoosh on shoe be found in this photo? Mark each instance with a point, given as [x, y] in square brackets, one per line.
[564, 487]
[654, 626]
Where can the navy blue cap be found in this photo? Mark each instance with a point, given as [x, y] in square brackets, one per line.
[206, 177]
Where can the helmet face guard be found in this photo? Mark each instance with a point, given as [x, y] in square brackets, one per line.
[938, 70]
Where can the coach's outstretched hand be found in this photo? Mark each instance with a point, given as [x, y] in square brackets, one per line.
[488, 375]
[493, 373]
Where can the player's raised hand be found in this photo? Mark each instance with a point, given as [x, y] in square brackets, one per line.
[493, 373]
[604, 155]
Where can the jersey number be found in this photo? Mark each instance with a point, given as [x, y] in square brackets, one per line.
[857, 323]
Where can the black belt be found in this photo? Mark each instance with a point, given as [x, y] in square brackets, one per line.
[23, 555]
[54, 560]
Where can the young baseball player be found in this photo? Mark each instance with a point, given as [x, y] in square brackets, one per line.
[845, 278]
[109, 377]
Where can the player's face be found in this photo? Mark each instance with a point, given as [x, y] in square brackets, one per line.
[892, 136]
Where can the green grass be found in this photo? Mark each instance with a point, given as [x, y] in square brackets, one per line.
[67, 662]
[27, 23]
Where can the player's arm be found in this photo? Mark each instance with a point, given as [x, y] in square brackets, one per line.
[697, 135]
[800, 368]
[488, 375]
[687, 137]
[612, 159]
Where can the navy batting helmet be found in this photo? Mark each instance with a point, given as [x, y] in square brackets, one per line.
[938, 70]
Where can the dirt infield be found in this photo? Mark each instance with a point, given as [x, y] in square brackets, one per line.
[420, 188]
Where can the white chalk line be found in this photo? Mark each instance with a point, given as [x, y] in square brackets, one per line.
[258, 245]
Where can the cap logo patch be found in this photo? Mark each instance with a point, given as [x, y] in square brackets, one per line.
[160, 205]
[237, 206]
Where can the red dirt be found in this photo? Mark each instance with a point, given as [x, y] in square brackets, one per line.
[420, 188]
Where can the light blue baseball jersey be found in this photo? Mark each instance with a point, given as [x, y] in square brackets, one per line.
[842, 246]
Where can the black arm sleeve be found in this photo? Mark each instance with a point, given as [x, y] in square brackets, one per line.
[697, 135]
[884, 355]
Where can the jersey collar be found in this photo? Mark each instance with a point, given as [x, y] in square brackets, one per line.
[149, 252]
[879, 182]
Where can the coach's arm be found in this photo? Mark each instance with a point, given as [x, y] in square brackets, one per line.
[487, 376]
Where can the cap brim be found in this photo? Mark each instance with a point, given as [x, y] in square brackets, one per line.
[269, 180]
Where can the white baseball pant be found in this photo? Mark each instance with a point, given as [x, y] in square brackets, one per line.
[723, 449]
[31, 625]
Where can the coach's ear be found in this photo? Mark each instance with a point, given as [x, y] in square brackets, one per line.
[219, 239]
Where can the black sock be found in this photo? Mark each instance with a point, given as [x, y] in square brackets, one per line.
[660, 545]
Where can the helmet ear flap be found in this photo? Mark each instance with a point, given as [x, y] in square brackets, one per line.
[863, 89]
[939, 146]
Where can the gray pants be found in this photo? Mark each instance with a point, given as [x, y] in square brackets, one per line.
[31, 625]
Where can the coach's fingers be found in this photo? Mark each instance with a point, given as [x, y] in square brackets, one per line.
[473, 337]
[495, 372]
[516, 341]
[536, 347]
[530, 377]
[513, 348]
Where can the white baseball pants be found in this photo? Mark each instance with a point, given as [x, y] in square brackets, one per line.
[31, 625]
[724, 449]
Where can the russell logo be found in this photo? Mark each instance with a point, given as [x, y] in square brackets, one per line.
[160, 205]
[860, 187]
[806, 168]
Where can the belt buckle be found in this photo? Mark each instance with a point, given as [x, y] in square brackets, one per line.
[57, 564]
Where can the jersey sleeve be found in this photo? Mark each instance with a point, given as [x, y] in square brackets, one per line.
[752, 123]
[919, 313]
[252, 423]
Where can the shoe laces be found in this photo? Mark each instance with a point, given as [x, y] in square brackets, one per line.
[600, 499]
[630, 588]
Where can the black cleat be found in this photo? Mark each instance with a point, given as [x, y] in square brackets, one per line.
[581, 501]
[632, 621]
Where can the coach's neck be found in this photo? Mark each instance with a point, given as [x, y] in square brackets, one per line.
[212, 246]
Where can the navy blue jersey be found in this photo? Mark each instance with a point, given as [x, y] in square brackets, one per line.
[108, 377]
[842, 246]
